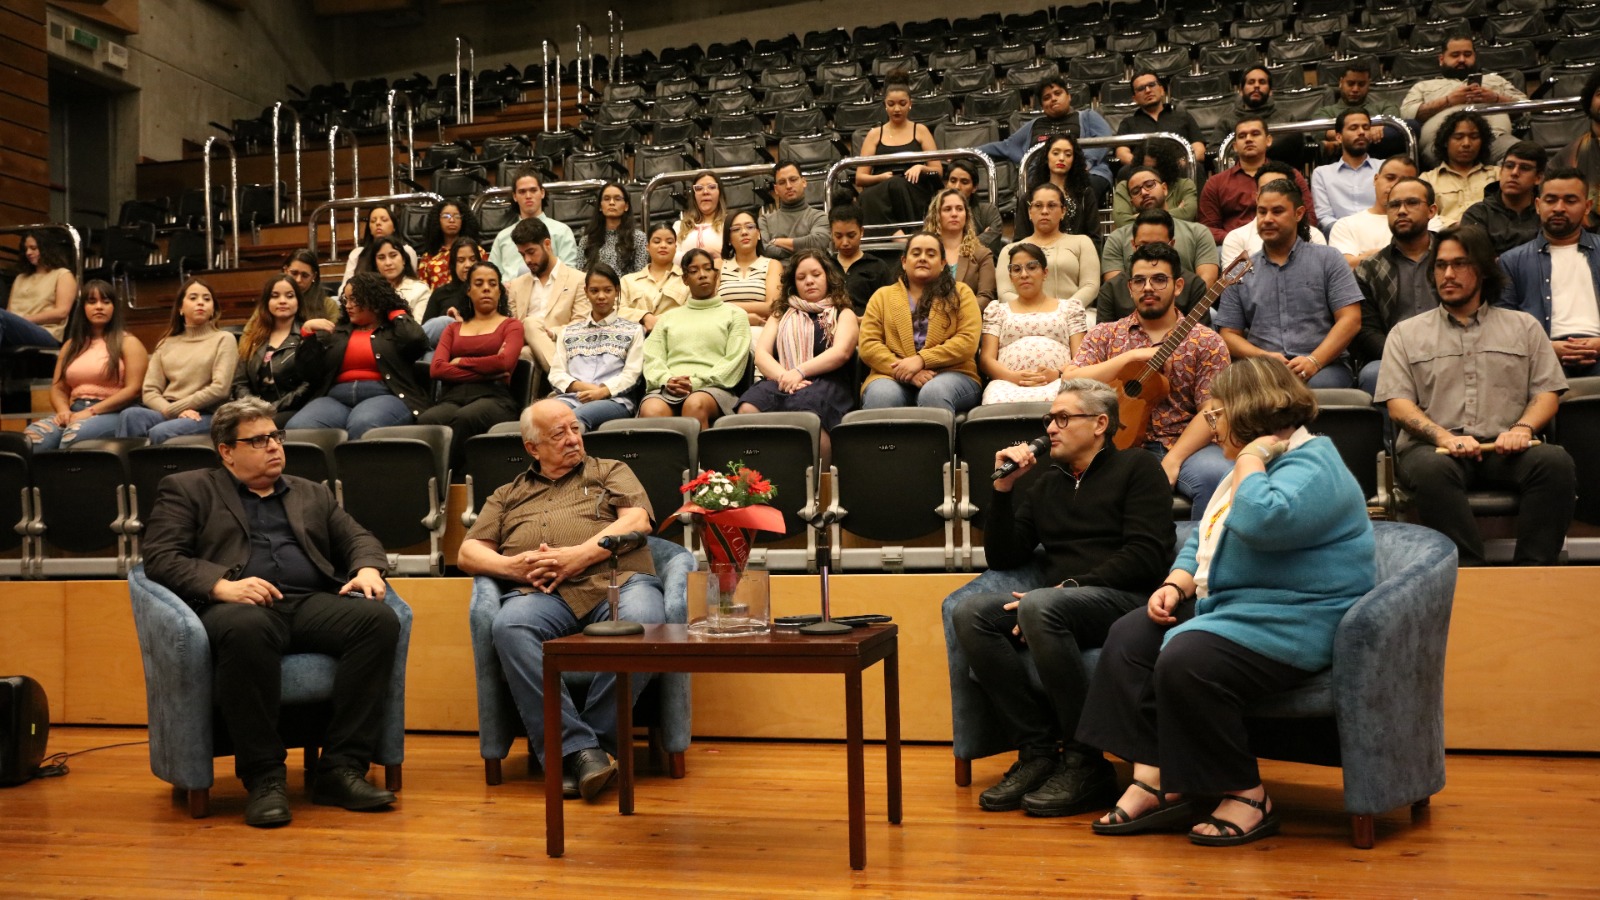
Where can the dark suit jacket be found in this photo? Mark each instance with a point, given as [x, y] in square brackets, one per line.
[198, 533]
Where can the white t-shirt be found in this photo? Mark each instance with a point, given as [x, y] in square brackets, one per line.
[1573, 310]
[1364, 232]
[1245, 239]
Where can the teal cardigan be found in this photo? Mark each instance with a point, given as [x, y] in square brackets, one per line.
[1296, 552]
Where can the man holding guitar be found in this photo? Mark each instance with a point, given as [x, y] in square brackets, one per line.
[1161, 365]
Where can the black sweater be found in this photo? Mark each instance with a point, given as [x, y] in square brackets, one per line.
[1112, 528]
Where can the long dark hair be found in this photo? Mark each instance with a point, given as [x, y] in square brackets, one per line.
[1479, 249]
[52, 252]
[728, 252]
[1077, 173]
[1441, 138]
[366, 224]
[374, 293]
[369, 257]
[175, 325]
[455, 250]
[1168, 162]
[503, 307]
[78, 334]
[433, 241]
[941, 292]
[259, 326]
[837, 294]
[595, 236]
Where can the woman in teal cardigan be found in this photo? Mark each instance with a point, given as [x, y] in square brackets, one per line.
[1249, 610]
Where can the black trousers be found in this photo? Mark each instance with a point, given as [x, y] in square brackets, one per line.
[248, 643]
[1180, 709]
[470, 410]
[1543, 475]
[899, 200]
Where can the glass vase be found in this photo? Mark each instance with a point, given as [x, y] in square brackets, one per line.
[725, 601]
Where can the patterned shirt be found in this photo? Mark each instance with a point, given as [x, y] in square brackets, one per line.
[609, 352]
[1393, 288]
[1189, 370]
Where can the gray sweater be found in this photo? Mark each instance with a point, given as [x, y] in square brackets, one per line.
[808, 227]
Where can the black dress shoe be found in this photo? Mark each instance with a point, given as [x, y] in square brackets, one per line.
[569, 783]
[1077, 786]
[350, 789]
[1025, 775]
[593, 770]
[268, 806]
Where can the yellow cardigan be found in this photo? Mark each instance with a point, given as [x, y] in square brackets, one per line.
[886, 334]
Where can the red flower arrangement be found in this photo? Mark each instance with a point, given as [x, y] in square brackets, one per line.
[731, 506]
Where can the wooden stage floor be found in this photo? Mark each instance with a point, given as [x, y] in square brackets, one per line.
[768, 820]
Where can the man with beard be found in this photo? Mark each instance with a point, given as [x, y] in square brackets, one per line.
[1355, 82]
[1359, 235]
[1506, 213]
[548, 295]
[1459, 84]
[1059, 118]
[1177, 435]
[1229, 198]
[1153, 226]
[1255, 101]
[1394, 281]
[1344, 186]
[1154, 113]
[1584, 151]
[527, 187]
[1196, 248]
[1478, 382]
[1554, 276]
[790, 225]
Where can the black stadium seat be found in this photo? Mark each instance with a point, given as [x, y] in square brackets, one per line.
[894, 482]
[661, 453]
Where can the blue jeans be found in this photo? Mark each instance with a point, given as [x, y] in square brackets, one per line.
[434, 329]
[1198, 475]
[1335, 375]
[46, 435]
[526, 621]
[949, 390]
[1367, 379]
[597, 412]
[15, 331]
[141, 421]
[356, 406]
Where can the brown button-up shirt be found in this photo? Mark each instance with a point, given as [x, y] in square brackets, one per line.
[567, 511]
[1474, 378]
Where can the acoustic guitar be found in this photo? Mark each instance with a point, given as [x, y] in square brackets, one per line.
[1140, 386]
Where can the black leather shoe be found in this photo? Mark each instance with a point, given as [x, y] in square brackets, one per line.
[1077, 786]
[593, 770]
[350, 789]
[1025, 775]
[569, 783]
[268, 806]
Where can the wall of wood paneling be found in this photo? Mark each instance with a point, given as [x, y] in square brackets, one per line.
[24, 114]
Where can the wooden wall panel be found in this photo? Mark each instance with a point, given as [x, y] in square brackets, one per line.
[33, 626]
[24, 113]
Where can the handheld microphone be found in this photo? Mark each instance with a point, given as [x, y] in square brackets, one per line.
[1038, 445]
[617, 543]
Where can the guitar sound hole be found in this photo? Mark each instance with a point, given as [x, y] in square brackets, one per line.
[1133, 389]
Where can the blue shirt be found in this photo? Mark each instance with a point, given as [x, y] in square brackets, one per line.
[1339, 189]
[1527, 269]
[1289, 309]
[1090, 124]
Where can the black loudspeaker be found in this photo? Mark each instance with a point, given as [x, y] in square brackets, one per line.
[24, 728]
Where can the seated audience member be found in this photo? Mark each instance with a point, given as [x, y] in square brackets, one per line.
[864, 273]
[1396, 282]
[384, 256]
[696, 355]
[1229, 198]
[1074, 264]
[1507, 213]
[1463, 144]
[99, 373]
[920, 334]
[701, 225]
[1246, 239]
[900, 192]
[361, 369]
[190, 372]
[449, 223]
[1461, 84]
[527, 187]
[380, 224]
[1359, 235]
[656, 288]
[805, 352]
[1344, 186]
[971, 263]
[1104, 519]
[1059, 118]
[42, 295]
[547, 295]
[1180, 197]
[1196, 249]
[791, 225]
[1062, 165]
[449, 301]
[539, 538]
[749, 280]
[1486, 432]
[1255, 101]
[299, 575]
[473, 363]
[1156, 113]
[1583, 153]
[1175, 432]
[1283, 551]
[1352, 93]
[963, 176]
[1556, 276]
[599, 359]
[303, 269]
[1300, 304]
[613, 237]
[268, 348]
[1153, 226]
[1029, 339]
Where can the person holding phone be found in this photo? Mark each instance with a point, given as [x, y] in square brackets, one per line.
[1460, 83]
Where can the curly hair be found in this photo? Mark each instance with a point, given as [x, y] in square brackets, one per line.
[1077, 173]
[1168, 161]
[373, 293]
[836, 295]
[1441, 138]
[433, 242]
[970, 247]
[941, 293]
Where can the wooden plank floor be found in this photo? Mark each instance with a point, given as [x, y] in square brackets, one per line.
[768, 820]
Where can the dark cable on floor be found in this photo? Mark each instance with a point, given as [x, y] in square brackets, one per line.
[55, 765]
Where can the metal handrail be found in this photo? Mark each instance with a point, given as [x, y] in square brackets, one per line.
[1094, 143]
[544, 83]
[472, 81]
[72, 235]
[219, 256]
[360, 203]
[299, 179]
[411, 145]
[1225, 151]
[613, 45]
[549, 187]
[579, 58]
[692, 174]
[555, 74]
[333, 192]
[1522, 106]
[886, 240]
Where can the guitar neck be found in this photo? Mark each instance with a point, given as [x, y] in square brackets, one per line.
[1181, 330]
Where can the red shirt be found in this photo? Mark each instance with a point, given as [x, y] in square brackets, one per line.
[360, 364]
[1229, 200]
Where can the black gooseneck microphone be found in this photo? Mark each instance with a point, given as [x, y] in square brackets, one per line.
[628, 540]
[1038, 445]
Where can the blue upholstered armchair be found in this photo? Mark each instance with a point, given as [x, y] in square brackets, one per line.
[499, 725]
[1378, 711]
[185, 733]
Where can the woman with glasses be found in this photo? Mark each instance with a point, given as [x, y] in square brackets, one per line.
[970, 262]
[474, 362]
[99, 373]
[899, 192]
[658, 287]
[1249, 609]
[1183, 198]
[267, 350]
[1063, 165]
[920, 334]
[613, 237]
[701, 225]
[449, 222]
[1074, 266]
[1028, 340]
[749, 279]
[190, 372]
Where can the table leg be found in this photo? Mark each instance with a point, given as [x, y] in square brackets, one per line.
[891, 730]
[624, 744]
[856, 770]
[554, 838]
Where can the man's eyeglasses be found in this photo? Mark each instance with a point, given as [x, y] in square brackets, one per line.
[1146, 86]
[1407, 203]
[1062, 420]
[1159, 282]
[261, 441]
[1145, 188]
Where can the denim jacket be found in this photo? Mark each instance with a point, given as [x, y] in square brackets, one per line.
[1527, 271]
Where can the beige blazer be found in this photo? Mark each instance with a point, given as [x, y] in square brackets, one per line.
[565, 302]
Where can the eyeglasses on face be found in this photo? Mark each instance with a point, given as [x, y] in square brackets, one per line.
[1062, 420]
[1145, 187]
[705, 189]
[1159, 282]
[1044, 205]
[1019, 268]
[1407, 203]
[1212, 415]
[261, 441]
[449, 217]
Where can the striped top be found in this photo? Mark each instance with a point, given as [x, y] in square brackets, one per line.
[750, 287]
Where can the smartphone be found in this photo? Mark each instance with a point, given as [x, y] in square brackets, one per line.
[1475, 79]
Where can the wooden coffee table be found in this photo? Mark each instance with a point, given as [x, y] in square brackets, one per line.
[670, 648]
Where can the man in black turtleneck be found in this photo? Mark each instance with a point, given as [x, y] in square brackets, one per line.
[790, 224]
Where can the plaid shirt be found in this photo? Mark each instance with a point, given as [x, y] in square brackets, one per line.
[1189, 370]
[1385, 302]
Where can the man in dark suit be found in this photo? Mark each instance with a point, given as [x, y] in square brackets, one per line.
[272, 566]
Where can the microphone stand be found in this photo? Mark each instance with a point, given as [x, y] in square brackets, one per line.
[613, 627]
[823, 522]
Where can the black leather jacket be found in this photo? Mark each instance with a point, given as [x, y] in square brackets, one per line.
[274, 379]
[397, 344]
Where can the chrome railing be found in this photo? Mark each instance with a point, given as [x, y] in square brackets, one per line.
[353, 203]
[218, 256]
[333, 192]
[1095, 143]
[472, 81]
[298, 212]
[72, 236]
[1225, 151]
[881, 235]
[411, 143]
[581, 60]
[614, 39]
[1525, 106]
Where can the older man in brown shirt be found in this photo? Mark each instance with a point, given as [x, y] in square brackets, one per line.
[1472, 384]
[539, 536]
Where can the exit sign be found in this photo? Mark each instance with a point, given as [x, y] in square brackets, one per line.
[86, 39]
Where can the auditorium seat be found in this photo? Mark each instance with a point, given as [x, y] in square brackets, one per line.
[986, 431]
[894, 483]
[1356, 427]
[16, 511]
[148, 466]
[80, 509]
[395, 481]
[492, 461]
[308, 453]
[663, 454]
[785, 448]
[1577, 428]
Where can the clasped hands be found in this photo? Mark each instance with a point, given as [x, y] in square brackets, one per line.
[1512, 440]
[548, 566]
[368, 582]
[912, 370]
